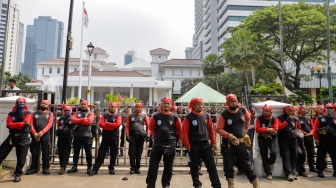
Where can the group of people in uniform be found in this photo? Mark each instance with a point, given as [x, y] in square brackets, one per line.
[196, 131]
[296, 135]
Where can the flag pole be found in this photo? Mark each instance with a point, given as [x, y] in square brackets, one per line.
[80, 58]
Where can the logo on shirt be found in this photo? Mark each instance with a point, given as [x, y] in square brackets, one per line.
[301, 122]
[36, 116]
[62, 121]
[263, 125]
[113, 119]
[79, 115]
[229, 121]
[159, 122]
[170, 122]
[323, 120]
[194, 123]
[132, 119]
[13, 118]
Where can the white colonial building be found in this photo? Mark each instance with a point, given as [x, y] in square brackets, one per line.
[175, 70]
[147, 81]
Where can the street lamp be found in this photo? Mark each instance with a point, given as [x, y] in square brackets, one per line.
[90, 48]
[318, 74]
[328, 75]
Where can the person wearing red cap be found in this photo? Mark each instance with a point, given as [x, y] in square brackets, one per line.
[165, 127]
[232, 125]
[64, 140]
[324, 131]
[42, 121]
[308, 142]
[18, 123]
[197, 131]
[82, 135]
[267, 127]
[110, 123]
[320, 111]
[287, 138]
[136, 135]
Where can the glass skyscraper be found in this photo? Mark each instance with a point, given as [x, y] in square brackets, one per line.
[43, 41]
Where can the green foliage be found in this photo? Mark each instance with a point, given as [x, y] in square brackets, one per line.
[324, 94]
[21, 80]
[111, 98]
[175, 97]
[212, 68]
[72, 100]
[230, 82]
[270, 88]
[188, 84]
[120, 100]
[241, 50]
[129, 101]
[300, 97]
[304, 36]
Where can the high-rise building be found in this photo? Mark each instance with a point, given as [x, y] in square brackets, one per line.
[44, 41]
[188, 52]
[214, 18]
[19, 48]
[130, 56]
[11, 52]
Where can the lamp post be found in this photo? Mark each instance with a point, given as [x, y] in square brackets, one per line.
[328, 54]
[90, 48]
[318, 74]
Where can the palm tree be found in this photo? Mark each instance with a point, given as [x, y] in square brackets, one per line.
[241, 52]
[213, 67]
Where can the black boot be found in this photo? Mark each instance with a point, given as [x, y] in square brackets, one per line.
[17, 178]
[46, 172]
[320, 174]
[62, 170]
[93, 172]
[88, 170]
[121, 154]
[72, 170]
[31, 171]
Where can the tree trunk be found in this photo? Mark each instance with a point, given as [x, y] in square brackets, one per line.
[247, 81]
[253, 76]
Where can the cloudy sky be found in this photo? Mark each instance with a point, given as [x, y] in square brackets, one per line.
[118, 26]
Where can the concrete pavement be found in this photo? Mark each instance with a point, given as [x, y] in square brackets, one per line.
[181, 179]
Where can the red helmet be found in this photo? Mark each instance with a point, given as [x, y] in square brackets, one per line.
[330, 105]
[68, 108]
[230, 96]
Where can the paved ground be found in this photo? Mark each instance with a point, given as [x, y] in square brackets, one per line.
[181, 179]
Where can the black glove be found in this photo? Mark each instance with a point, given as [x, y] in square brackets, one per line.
[128, 139]
[26, 128]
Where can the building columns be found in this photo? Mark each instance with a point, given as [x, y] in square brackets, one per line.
[72, 91]
[150, 101]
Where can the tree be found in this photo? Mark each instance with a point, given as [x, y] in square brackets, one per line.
[304, 36]
[21, 80]
[188, 84]
[241, 52]
[212, 68]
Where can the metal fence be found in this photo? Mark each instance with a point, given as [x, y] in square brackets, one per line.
[180, 160]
